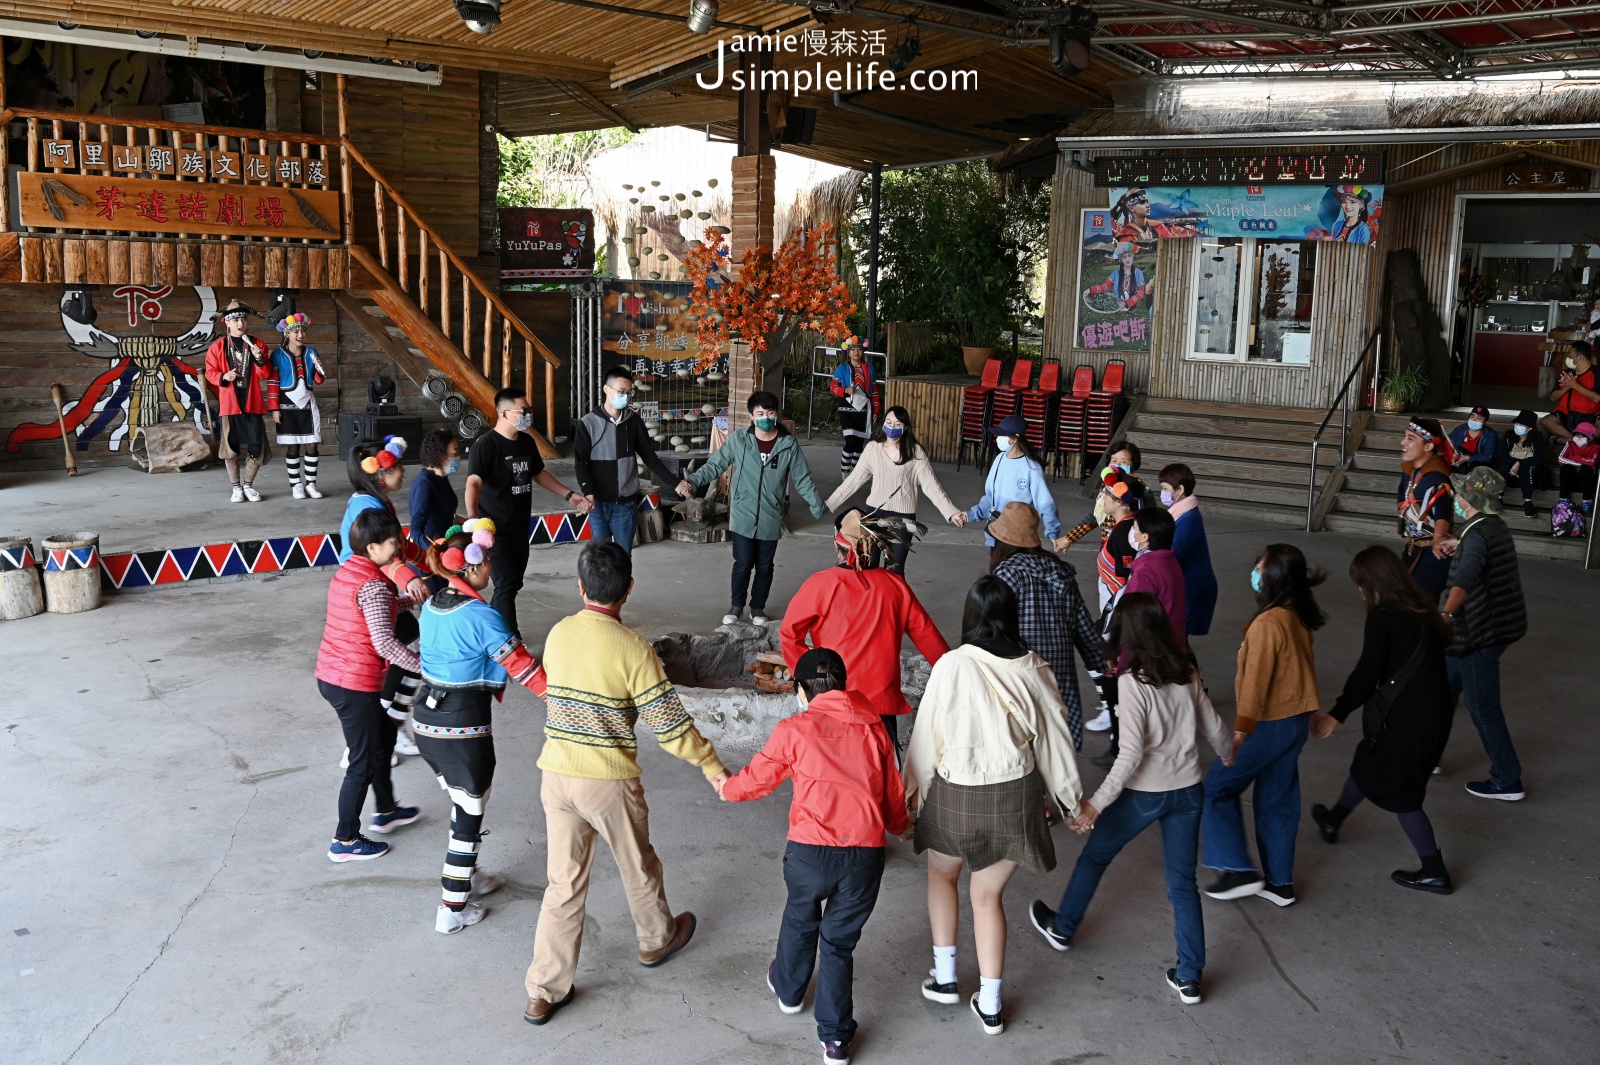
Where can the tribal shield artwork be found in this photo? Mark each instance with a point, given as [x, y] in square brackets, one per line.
[146, 380]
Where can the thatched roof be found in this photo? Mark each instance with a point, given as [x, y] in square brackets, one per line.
[1209, 108]
[687, 165]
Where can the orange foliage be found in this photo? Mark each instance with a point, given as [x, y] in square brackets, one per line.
[799, 286]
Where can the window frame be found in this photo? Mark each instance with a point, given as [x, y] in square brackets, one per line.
[1246, 323]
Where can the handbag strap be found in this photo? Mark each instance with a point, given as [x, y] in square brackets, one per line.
[1397, 683]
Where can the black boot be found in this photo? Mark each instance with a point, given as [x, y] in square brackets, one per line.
[1433, 876]
[1328, 821]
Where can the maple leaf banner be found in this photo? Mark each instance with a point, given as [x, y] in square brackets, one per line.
[797, 288]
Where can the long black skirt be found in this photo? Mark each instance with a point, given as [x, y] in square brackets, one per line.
[454, 736]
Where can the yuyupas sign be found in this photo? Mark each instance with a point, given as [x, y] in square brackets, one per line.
[540, 243]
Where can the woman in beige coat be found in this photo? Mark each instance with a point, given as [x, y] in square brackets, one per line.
[990, 741]
[899, 470]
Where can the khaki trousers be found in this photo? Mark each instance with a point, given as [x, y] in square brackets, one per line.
[575, 810]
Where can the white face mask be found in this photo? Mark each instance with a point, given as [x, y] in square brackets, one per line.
[1581, 441]
[1571, 364]
[1003, 443]
[524, 422]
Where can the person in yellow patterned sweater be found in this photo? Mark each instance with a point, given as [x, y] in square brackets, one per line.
[603, 677]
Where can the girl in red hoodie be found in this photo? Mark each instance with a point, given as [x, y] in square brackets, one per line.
[848, 796]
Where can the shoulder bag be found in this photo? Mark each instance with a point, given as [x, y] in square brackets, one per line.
[1383, 699]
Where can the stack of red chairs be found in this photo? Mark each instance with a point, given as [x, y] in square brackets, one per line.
[1039, 407]
[1072, 415]
[977, 405]
[1102, 409]
[1007, 400]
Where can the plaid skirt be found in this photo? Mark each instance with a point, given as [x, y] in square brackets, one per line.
[988, 823]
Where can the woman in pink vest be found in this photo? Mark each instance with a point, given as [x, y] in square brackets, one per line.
[358, 645]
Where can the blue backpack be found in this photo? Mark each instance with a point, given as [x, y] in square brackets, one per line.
[1567, 520]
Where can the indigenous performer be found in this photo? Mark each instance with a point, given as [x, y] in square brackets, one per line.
[468, 654]
[1424, 502]
[299, 370]
[856, 387]
[240, 361]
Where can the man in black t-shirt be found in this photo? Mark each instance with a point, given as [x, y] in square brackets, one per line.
[502, 469]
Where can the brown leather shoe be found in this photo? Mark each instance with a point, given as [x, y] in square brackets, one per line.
[539, 1011]
[682, 932]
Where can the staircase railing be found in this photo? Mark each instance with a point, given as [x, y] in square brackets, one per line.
[455, 300]
[1340, 404]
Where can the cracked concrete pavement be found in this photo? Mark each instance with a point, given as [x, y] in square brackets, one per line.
[169, 776]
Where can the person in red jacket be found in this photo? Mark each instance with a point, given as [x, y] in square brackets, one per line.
[864, 612]
[848, 796]
[358, 646]
[247, 389]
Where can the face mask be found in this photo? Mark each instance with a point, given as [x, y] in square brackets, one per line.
[1520, 430]
[1166, 499]
[1003, 443]
[1581, 441]
[893, 432]
[1460, 511]
[619, 401]
[1139, 546]
[525, 422]
[766, 425]
[1255, 581]
[1123, 466]
[1474, 424]
[453, 465]
[1571, 365]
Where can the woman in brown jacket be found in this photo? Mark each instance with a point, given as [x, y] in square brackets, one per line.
[1276, 692]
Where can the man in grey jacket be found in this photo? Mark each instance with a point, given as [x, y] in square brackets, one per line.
[765, 458]
[605, 443]
[1487, 613]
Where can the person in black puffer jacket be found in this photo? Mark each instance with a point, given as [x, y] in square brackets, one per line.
[1487, 614]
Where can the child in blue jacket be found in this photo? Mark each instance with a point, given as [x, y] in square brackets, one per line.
[1015, 476]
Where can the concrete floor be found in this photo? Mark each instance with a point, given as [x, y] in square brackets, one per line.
[169, 776]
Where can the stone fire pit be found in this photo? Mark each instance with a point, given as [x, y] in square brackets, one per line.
[712, 674]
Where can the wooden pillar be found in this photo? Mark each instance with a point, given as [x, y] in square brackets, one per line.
[753, 199]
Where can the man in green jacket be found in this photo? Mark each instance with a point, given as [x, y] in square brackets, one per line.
[765, 458]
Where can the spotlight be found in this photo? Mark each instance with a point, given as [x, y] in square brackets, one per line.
[311, 53]
[425, 67]
[906, 51]
[702, 15]
[67, 25]
[481, 16]
[77, 304]
[1070, 41]
[144, 35]
[253, 46]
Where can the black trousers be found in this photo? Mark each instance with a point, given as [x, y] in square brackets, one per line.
[454, 734]
[757, 555]
[369, 733]
[1524, 476]
[507, 564]
[1578, 479]
[832, 891]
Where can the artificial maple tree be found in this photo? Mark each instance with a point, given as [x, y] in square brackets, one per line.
[772, 298]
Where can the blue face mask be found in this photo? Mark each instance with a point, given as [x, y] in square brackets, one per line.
[1474, 424]
[452, 466]
[1255, 580]
[1123, 466]
[893, 432]
[620, 401]
[1459, 512]
[1521, 430]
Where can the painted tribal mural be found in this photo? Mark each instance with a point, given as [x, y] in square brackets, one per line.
[146, 380]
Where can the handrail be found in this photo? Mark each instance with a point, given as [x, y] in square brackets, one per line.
[489, 295]
[1341, 401]
[177, 127]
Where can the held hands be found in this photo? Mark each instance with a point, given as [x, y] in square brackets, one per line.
[717, 782]
[685, 489]
[1446, 549]
[1087, 815]
[417, 590]
[958, 519]
[230, 376]
[1238, 741]
[1323, 724]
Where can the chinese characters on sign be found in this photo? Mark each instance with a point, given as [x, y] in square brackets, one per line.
[1348, 213]
[112, 202]
[1116, 282]
[544, 243]
[1547, 177]
[647, 326]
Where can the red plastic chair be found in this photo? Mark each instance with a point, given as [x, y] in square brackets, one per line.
[977, 408]
[1100, 415]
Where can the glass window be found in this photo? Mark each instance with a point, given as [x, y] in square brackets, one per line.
[1253, 300]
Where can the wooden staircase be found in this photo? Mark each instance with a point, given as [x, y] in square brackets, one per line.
[1249, 461]
[1365, 502]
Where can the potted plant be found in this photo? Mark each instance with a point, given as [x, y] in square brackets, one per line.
[1399, 389]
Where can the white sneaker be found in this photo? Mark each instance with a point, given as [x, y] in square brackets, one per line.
[251, 494]
[1101, 723]
[486, 884]
[730, 619]
[758, 619]
[311, 490]
[404, 744]
[298, 490]
[238, 495]
[451, 921]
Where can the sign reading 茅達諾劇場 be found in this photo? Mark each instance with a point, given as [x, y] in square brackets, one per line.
[135, 205]
[1344, 213]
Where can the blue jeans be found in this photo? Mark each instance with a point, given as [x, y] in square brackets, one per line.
[1269, 758]
[832, 891]
[1477, 674]
[615, 521]
[1131, 813]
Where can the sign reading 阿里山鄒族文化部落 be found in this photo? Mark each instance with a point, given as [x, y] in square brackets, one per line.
[1340, 213]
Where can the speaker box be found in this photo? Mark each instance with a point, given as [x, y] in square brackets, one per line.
[368, 430]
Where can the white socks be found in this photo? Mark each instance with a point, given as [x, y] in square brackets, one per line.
[988, 995]
[944, 965]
